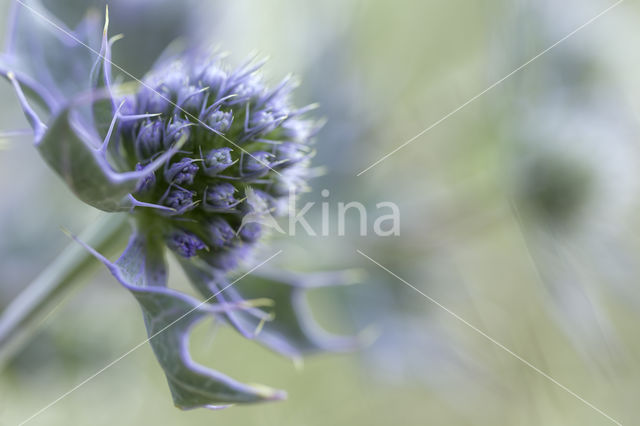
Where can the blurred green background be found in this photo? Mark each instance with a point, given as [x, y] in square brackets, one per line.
[518, 213]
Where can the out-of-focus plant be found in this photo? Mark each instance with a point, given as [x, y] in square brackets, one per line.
[572, 173]
[190, 154]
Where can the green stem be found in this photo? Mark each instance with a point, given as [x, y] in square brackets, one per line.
[21, 319]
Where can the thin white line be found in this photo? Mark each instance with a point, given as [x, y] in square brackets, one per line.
[497, 83]
[500, 345]
[94, 375]
[77, 40]
[15, 133]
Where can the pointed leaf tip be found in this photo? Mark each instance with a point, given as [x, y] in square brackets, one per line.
[169, 317]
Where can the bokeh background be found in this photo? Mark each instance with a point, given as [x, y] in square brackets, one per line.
[518, 213]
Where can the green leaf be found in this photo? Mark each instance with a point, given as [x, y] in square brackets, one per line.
[81, 166]
[169, 317]
[292, 330]
[69, 150]
[47, 62]
[42, 48]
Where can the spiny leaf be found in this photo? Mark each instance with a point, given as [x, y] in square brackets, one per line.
[66, 146]
[292, 330]
[44, 49]
[169, 317]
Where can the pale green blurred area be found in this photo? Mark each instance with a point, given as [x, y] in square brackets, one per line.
[518, 215]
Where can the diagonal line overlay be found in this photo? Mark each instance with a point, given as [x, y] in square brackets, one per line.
[492, 340]
[493, 86]
[139, 345]
[137, 80]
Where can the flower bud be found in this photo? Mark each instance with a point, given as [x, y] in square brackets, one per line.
[251, 232]
[220, 233]
[156, 101]
[263, 122]
[220, 120]
[176, 130]
[185, 243]
[182, 172]
[220, 197]
[214, 78]
[180, 200]
[217, 160]
[190, 99]
[257, 164]
[149, 139]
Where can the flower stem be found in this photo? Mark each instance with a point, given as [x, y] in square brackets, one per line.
[20, 321]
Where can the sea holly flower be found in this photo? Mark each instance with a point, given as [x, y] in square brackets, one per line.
[191, 154]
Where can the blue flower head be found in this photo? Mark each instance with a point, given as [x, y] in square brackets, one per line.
[183, 153]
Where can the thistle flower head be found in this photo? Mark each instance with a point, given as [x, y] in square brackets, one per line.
[192, 154]
[235, 133]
